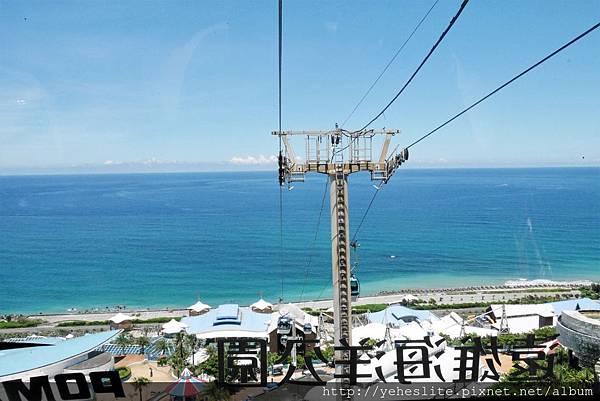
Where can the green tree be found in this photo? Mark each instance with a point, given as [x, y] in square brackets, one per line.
[162, 346]
[328, 354]
[180, 346]
[123, 341]
[139, 383]
[177, 363]
[190, 342]
[143, 342]
[211, 365]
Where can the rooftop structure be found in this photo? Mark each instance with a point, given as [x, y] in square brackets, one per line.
[198, 308]
[173, 327]
[229, 321]
[527, 317]
[580, 333]
[56, 357]
[262, 306]
[456, 327]
[121, 321]
[120, 318]
[398, 315]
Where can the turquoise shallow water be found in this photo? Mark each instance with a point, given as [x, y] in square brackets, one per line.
[163, 239]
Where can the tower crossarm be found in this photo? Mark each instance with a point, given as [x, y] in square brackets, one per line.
[327, 151]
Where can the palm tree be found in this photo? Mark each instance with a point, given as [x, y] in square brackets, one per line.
[215, 393]
[177, 364]
[162, 346]
[143, 342]
[123, 341]
[191, 342]
[179, 345]
[139, 383]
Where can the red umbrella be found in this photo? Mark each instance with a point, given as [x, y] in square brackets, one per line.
[186, 386]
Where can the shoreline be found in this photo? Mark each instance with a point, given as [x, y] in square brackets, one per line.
[511, 289]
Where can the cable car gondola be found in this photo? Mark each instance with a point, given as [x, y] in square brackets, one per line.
[354, 284]
[354, 287]
[284, 325]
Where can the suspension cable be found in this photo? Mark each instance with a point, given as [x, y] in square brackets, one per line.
[389, 63]
[510, 81]
[362, 220]
[563, 47]
[442, 36]
[314, 242]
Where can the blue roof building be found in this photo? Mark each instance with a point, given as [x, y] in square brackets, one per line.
[54, 357]
[398, 315]
[229, 321]
[575, 304]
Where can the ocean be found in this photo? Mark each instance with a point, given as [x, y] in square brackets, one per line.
[150, 240]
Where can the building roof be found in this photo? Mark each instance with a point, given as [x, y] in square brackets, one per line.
[451, 325]
[375, 331]
[572, 304]
[292, 311]
[228, 320]
[549, 309]
[173, 327]
[400, 315]
[120, 318]
[36, 340]
[520, 324]
[262, 306]
[21, 360]
[199, 307]
[545, 310]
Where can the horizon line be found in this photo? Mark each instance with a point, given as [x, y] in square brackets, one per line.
[274, 170]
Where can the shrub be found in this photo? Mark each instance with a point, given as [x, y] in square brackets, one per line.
[73, 323]
[21, 323]
[124, 372]
[369, 308]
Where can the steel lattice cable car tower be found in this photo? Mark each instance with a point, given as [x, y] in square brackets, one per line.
[339, 153]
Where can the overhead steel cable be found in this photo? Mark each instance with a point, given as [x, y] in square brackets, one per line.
[499, 88]
[414, 74]
[280, 36]
[362, 99]
[504, 85]
[314, 242]
[362, 220]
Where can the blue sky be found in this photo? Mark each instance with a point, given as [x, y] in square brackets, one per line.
[104, 81]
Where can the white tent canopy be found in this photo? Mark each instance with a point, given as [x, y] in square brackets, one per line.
[452, 325]
[120, 318]
[199, 307]
[375, 331]
[262, 306]
[173, 327]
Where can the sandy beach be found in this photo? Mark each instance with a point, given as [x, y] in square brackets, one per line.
[449, 296]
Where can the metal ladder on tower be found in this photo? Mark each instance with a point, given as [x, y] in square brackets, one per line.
[343, 278]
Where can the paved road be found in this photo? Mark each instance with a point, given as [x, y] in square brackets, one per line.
[442, 297]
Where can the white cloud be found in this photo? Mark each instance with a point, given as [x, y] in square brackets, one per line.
[252, 160]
